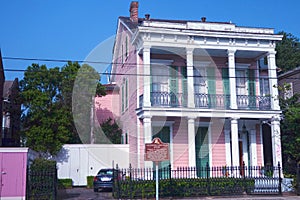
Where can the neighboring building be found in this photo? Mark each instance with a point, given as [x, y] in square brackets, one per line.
[197, 85]
[291, 78]
[11, 114]
[2, 79]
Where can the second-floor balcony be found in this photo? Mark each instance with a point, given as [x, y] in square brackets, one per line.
[208, 101]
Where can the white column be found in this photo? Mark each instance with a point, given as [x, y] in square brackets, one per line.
[273, 80]
[147, 136]
[276, 141]
[191, 141]
[190, 77]
[253, 149]
[227, 147]
[147, 77]
[232, 79]
[235, 142]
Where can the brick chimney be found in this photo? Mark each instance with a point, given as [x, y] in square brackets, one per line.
[134, 15]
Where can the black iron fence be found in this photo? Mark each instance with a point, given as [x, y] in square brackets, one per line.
[198, 181]
[42, 184]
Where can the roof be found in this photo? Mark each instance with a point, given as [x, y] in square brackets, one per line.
[195, 25]
[7, 88]
[289, 73]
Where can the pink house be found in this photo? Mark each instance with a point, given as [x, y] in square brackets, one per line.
[197, 85]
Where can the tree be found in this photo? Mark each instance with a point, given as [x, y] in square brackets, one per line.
[108, 132]
[288, 52]
[46, 97]
[290, 130]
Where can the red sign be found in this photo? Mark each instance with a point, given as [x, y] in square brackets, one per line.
[156, 151]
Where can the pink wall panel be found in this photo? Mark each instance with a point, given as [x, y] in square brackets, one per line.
[259, 146]
[13, 174]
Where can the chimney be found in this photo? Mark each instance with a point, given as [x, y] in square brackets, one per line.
[147, 16]
[203, 19]
[134, 11]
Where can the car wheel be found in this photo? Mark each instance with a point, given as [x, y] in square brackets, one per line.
[95, 190]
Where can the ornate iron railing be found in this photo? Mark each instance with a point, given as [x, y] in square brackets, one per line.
[254, 102]
[168, 99]
[198, 181]
[212, 101]
[221, 101]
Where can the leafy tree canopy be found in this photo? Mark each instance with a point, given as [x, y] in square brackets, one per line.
[288, 52]
[46, 96]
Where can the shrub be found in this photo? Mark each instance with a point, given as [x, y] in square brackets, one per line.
[65, 183]
[90, 180]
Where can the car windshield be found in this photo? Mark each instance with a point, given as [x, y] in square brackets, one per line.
[105, 172]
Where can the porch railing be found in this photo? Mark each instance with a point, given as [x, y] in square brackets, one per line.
[212, 101]
[198, 181]
[168, 99]
[222, 101]
[254, 102]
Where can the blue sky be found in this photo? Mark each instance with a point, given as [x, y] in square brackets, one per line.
[71, 29]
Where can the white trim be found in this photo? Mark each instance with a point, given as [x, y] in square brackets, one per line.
[137, 119]
[171, 147]
[242, 65]
[14, 150]
[161, 61]
[198, 63]
[14, 198]
[161, 123]
[210, 146]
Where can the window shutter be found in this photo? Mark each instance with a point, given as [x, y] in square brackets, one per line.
[251, 88]
[173, 84]
[211, 80]
[226, 88]
[184, 85]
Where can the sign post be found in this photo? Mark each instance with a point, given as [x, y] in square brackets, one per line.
[157, 151]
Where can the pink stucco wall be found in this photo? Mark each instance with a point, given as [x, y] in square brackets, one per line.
[107, 106]
[13, 173]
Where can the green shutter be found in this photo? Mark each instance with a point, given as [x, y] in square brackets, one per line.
[202, 150]
[173, 85]
[226, 88]
[211, 81]
[164, 134]
[123, 98]
[184, 86]
[251, 88]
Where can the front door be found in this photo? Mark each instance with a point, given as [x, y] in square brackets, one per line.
[202, 151]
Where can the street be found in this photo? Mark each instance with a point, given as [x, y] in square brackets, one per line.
[82, 193]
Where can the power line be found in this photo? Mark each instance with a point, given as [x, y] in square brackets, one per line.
[83, 61]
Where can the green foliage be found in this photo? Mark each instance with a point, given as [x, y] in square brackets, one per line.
[47, 99]
[65, 183]
[90, 180]
[183, 187]
[290, 130]
[109, 132]
[288, 52]
[42, 179]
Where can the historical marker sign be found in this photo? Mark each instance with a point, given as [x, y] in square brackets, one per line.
[157, 151]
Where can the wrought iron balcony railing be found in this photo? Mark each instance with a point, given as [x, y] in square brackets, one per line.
[253, 102]
[210, 101]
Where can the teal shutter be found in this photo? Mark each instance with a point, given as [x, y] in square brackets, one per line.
[164, 135]
[202, 150]
[251, 88]
[173, 85]
[226, 88]
[184, 86]
[211, 87]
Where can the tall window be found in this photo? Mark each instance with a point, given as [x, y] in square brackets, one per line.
[241, 82]
[124, 91]
[160, 78]
[264, 86]
[200, 83]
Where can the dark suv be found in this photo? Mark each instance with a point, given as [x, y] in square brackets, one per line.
[104, 179]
